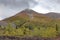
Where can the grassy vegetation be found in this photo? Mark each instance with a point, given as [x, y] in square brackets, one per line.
[31, 28]
[40, 26]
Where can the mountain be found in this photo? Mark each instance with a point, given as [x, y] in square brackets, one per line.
[31, 16]
[30, 23]
[27, 14]
[53, 15]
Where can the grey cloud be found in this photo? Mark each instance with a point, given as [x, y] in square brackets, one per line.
[52, 5]
[17, 3]
[11, 7]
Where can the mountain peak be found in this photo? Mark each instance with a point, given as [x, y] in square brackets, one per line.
[28, 10]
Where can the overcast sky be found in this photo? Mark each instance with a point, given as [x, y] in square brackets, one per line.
[11, 7]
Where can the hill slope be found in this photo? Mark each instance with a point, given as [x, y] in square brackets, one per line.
[27, 14]
[53, 15]
[31, 23]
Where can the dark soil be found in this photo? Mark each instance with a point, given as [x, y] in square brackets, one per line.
[26, 38]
